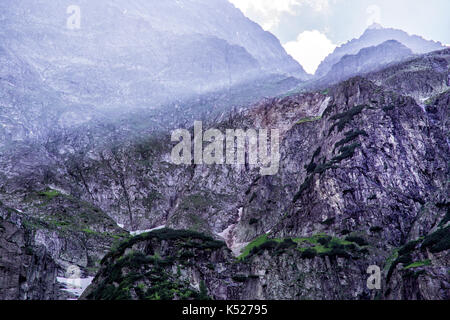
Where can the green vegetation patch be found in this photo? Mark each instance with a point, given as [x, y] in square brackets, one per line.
[255, 243]
[438, 241]
[49, 194]
[308, 119]
[349, 137]
[346, 117]
[185, 238]
[146, 278]
[318, 245]
[418, 264]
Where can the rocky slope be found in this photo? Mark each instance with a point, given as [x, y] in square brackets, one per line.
[45, 235]
[24, 273]
[363, 173]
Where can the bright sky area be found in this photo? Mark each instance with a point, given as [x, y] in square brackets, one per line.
[311, 29]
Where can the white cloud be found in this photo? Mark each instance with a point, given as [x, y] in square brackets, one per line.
[374, 13]
[309, 49]
[268, 12]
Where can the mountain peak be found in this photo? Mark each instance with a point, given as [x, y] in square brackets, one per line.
[375, 26]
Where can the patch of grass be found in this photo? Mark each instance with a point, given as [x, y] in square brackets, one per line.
[89, 231]
[418, 264]
[255, 243]
[49, 194]
[308, 119]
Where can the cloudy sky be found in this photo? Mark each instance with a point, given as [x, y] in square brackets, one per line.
[311, 29]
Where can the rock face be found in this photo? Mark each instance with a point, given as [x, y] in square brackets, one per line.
[375, 36]
[363, 176]
[24, 273]
[363, 173]
[50, 234]
[169, 264]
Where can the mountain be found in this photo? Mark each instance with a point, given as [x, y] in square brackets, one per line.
[374, 36]
[367, 60]
[363, 180]
[88, 191]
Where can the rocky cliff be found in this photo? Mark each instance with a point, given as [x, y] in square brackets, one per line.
[363, 181]
[363, 177]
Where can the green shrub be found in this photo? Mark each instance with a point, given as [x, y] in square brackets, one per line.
[239, 278]
[350, 136]
[376, 229]
[329, 221]
[203, 295]
[309, 254]
[358, 240]
[438, 241]
[325, 240]
[305, 185]
[345, 117]
[408, 248]
[346, 152]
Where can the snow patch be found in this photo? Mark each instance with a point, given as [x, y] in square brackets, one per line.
[138, 232]
[230, 238]
[76, 286]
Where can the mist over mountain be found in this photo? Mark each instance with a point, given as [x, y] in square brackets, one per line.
[374, 36]
[140, 53]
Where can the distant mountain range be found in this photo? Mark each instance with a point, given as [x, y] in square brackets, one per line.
[367, 60]
[374, 36]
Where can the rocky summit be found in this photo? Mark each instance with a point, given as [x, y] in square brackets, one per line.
[93, 207]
